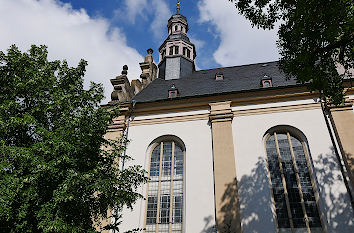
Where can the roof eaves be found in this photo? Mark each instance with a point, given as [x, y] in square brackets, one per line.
[221, 93]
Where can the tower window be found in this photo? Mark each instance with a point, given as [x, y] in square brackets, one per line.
[171, 50]
[293, 189]
[184, 51]
[188, 53]
[165, 189]
[176, 28]
[176, 49]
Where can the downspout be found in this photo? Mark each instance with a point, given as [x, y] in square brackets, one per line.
[133, 102]
[326, 114]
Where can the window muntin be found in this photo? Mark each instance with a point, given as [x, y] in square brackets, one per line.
[165, 189]
[293, 190]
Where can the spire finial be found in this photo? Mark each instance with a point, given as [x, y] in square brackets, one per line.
[178, 6]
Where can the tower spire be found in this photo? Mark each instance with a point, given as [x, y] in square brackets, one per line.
[177, 53]
[178, 6]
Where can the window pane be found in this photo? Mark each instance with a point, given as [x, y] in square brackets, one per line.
[151, 210]
[278, 190]
[306, 184]
[164, 209]
[177, 209]
[166, 160]
[178, 166]
[155, 162]
[291, 182]
[284, 147]
[273, 163]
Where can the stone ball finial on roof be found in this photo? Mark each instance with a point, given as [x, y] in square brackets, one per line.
[125, 69]
[150, 51]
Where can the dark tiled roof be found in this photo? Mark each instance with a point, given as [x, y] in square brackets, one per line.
[201, 83]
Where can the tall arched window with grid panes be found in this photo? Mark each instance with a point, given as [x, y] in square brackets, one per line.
[164, 206]
[296, 203]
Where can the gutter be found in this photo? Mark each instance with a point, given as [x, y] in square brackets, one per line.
[116, 209]
[133, 102]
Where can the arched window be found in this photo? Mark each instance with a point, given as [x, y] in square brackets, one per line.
[164, 210]
[293, 189]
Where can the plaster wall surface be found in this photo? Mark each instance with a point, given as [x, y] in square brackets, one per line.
[252, 174]
[199, 187]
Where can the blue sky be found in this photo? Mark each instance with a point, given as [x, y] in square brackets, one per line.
[114, 10]
[111, 33]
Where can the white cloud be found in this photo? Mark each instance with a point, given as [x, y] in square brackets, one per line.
[199, 44]
[70, 34]
[161, 15]
[132, 9]
[239, 42]
[157, 11]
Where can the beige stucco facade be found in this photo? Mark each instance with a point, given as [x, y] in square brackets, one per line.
[224, 148]
[343, 121]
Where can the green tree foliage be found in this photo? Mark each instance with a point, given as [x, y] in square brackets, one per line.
[315, 38]
[57, 171]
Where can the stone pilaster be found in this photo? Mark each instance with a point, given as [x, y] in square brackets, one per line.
[115, 131]
[225, 182]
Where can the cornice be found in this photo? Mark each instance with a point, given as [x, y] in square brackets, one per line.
[220, 111]
[224, 115]
[236, 99]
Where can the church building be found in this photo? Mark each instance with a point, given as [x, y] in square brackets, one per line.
[233, 149]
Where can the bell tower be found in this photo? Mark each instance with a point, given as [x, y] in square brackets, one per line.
[177, 53]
